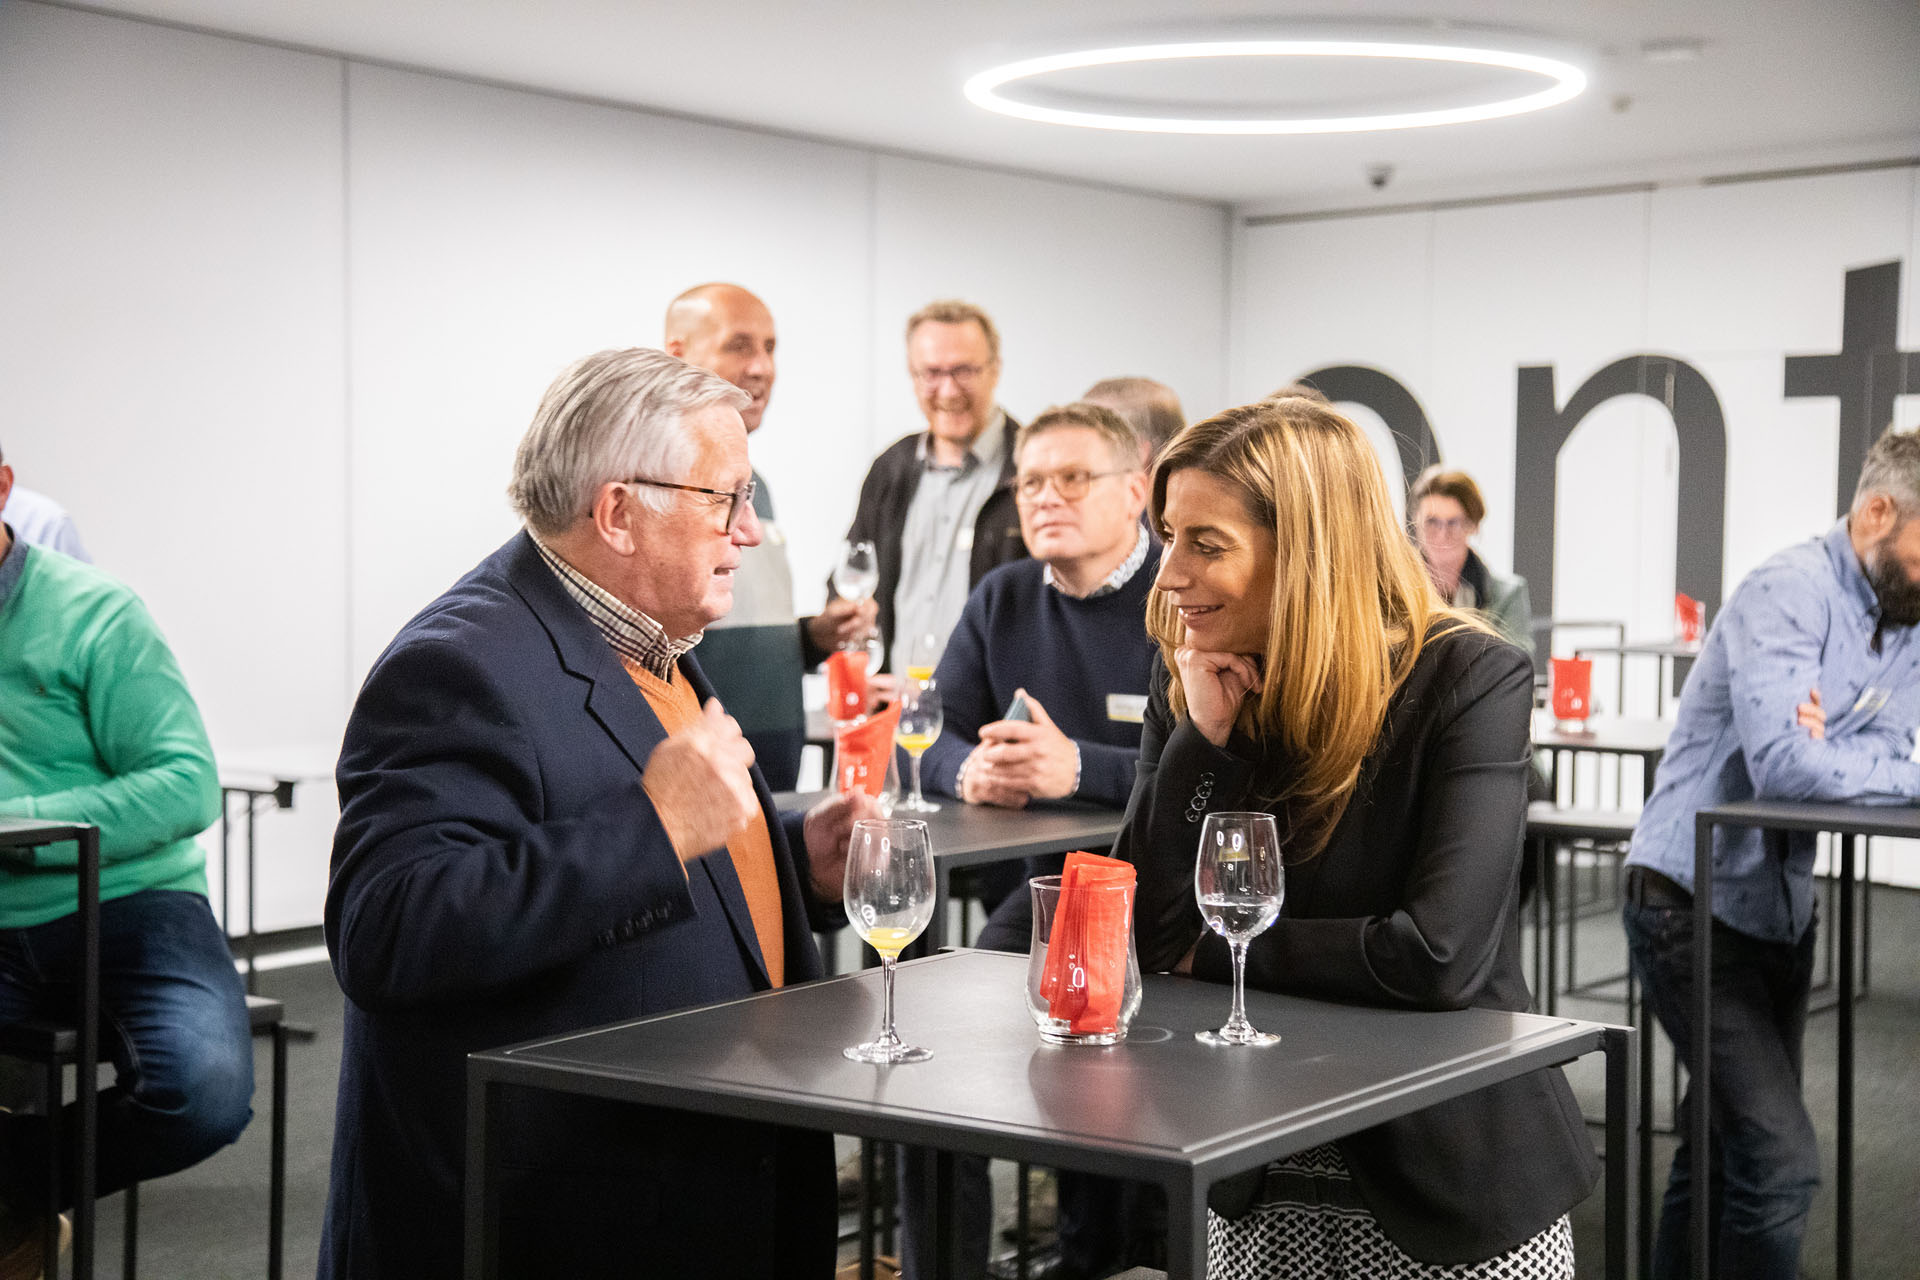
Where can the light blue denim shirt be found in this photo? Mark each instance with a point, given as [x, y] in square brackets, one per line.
[1803, 620]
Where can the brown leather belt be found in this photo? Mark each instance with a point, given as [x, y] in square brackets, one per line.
[1648, 888]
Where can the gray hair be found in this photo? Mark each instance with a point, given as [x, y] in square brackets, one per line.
[1892, 467]
[608, 417]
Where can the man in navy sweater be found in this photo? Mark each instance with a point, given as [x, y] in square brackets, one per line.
[1063, 634]
[1044, 682]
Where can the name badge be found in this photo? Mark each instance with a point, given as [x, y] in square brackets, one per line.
[964, 538]
[1128, 708]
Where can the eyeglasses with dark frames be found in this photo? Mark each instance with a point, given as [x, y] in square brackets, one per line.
[738, 500]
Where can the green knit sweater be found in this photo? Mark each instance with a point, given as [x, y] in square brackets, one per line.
[96, 725]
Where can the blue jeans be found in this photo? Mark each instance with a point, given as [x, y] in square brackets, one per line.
[173, 1019]
[1764, 1166]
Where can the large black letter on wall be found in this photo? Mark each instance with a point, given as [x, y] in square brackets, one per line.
[1541, 429]
[1866, 373]
[1387, 396]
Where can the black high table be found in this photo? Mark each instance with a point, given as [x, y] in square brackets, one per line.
[29, 833]
[970, 835]
[1159, 1108]
[1849, 822]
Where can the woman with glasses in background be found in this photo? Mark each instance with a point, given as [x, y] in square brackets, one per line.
[1445, 509]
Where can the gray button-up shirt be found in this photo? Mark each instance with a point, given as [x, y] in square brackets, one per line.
[936, 543]
[1805, 619]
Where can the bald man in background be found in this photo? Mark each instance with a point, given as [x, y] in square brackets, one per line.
[1150, 408]
[755, 656]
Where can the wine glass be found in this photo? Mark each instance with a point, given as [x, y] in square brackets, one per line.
[1240, 884]
[856, 576]
[923, 656]
[889, 899]
[918, 727]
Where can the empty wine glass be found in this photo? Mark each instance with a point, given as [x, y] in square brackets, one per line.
[919, 725]
[1240, 884]
[856, 576]
[889, 900]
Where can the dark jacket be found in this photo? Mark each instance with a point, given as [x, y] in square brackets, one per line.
[881, 519]
[1413, 905]
[499, 875]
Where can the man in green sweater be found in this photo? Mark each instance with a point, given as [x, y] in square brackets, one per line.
[97, 726]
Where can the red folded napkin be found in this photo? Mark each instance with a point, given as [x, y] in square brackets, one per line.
[862, 751]
[1572, 688]
[1085, 978]
[1689, 618]
[846, 683]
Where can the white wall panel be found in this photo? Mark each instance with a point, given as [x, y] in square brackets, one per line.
[1504, 282]
[1341, 291]
[171, 353]
[498, 235]
[1082, 283]
[1759, 268]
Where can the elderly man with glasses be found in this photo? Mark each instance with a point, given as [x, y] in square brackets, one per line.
[938, 504]
[547, 823]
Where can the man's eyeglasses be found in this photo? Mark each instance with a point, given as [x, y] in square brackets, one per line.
[1451, 527]
[1071, 484]
[738, 500]
[963, 375]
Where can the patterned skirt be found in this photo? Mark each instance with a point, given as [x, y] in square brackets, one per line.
[1311, 1224]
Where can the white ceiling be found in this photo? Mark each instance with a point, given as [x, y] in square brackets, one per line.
[1780, 82]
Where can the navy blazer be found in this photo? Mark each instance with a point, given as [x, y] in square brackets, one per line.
[500, 875]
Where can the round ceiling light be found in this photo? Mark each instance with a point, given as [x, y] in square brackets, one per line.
[1566, 81]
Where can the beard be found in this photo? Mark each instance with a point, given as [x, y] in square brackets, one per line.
[1899, 595]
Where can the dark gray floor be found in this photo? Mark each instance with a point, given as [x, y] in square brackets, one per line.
[210, 1222]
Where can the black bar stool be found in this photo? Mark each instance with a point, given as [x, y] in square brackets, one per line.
[82, 1048]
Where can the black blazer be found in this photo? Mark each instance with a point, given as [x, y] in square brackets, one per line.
[1412, 904]
[881, 518]
[499, 875]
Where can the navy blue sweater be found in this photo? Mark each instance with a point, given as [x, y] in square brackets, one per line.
[1019, 633]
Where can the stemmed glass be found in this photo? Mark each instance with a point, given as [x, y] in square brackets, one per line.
[889, 899]
[856, 576]
[1240, 884]
[919, 725]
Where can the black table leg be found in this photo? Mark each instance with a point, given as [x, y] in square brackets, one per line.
[1843, 1167]
[947, 1265]
[1642, 1021]
[87, 1060]
[1186, 1231]
[1617, 1042]
[483, 1178]
[1702, 1066]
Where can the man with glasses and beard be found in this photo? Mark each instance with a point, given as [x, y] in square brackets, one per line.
[1808, 688]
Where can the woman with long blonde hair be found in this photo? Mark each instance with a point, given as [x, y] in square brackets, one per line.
[1310, 670]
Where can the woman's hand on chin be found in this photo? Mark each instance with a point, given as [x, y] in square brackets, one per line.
[1215, 685]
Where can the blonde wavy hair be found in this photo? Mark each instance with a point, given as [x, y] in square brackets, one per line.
[1352, 603]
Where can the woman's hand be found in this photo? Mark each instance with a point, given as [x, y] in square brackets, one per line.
[1215, 685]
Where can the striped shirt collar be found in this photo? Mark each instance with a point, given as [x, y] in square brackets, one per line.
[631, 633]
[1121, 575]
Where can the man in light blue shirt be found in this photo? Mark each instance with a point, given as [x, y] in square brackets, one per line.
[1808, 688]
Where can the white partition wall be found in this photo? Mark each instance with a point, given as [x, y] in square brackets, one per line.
[1732, 279]
[272, 322]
